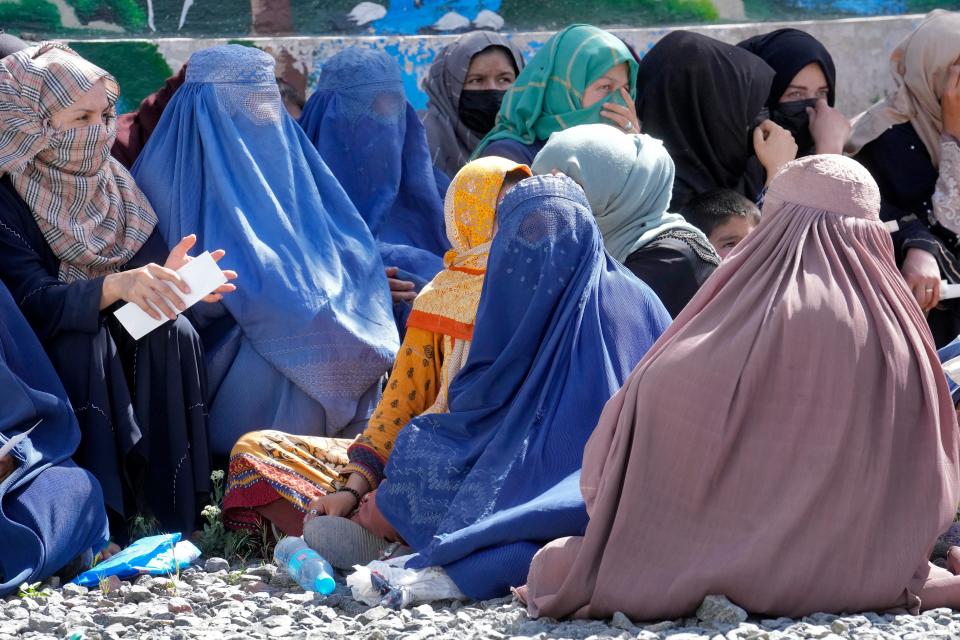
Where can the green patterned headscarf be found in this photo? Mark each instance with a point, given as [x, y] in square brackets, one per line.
[547, 94]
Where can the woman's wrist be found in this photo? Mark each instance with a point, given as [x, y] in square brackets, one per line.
[353, 492]
[360, 477]
[110, 292]
[359, 483]
[830, 147]
[772, 169]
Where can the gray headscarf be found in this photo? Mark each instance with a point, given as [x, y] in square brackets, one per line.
[451, 142]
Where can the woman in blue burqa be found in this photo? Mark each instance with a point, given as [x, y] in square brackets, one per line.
[373, 141]
[52, 517]
[560, 326]
[303, 344]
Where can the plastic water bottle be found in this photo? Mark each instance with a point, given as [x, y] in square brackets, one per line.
[285, 549]
[307, 567]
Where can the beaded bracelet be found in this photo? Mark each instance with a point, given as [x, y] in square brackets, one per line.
[353, 492]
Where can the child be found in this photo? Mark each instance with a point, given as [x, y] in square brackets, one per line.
[725, 216]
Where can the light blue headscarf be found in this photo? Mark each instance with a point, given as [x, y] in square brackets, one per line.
[628, 180]
[228, 163]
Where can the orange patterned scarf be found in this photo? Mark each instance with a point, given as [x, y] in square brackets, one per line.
[448, 305]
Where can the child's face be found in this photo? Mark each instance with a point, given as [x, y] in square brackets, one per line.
[730, 233]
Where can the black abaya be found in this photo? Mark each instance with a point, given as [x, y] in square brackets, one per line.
[901, 165]
[141, 405]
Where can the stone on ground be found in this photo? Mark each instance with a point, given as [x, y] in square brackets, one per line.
[213, 602]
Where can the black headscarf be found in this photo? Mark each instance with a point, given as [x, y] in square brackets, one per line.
[702, 98]
[788, 51]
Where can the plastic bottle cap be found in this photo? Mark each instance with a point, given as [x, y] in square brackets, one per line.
[325, 585]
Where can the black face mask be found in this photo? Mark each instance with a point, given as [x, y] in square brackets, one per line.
[793, 117]
[478, 109]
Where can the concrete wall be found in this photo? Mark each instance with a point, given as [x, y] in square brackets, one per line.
[860, 47]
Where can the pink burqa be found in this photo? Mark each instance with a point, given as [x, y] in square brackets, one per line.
[789, 442]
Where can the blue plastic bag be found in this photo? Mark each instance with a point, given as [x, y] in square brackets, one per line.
[154, 555]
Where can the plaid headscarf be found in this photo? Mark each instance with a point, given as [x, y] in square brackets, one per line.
[89, 209]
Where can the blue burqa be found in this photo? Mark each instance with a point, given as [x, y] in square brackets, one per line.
[303, 342]
[370, 136]
[559, 328]
[51, 511]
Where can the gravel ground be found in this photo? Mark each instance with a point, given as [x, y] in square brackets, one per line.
[211, 601]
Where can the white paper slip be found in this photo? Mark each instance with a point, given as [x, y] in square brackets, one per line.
[201, 274]
[892, 226]
[17, 439]
[952, 369]
[949, 291]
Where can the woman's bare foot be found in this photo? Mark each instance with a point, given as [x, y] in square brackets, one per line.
[953, 560]
[520, 593]
[107, 552]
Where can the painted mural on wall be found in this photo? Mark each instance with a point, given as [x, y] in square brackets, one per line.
[141, 54]
[239, 18]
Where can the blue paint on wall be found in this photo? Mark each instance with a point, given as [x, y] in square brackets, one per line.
[414, 65]
[414, 58]
[411, 16]
[855, 7]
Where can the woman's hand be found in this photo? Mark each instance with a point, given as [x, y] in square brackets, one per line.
[7, 465]
[178, 258]
[147, 288]
[341, 503]
[922, 273]
[624, 117]
[829, 128]
[400, 290]
[774, 147]
[950, 101]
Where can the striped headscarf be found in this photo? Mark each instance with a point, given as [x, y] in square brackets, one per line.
[89, 209]
[548, 92]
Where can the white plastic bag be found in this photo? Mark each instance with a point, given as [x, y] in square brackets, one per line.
[389, 584]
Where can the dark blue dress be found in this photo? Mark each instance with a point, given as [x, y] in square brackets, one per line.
[140, 405]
